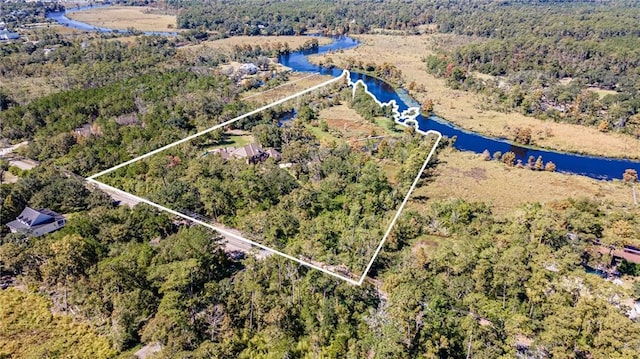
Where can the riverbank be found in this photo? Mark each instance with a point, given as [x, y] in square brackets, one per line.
[468, 176]
[265, 42]
[465, 109]
[606, 167]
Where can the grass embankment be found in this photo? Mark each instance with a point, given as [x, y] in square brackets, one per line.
[464, 108]
[467, 176]
[125, 17]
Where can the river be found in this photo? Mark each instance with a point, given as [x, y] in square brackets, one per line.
[590, 166]
[61, 18]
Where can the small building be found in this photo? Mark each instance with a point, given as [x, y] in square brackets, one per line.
[225, 153]
[6, 35]
[248, 69]
[37, 222]
[252, 152]
[628, 253]
[87, 130]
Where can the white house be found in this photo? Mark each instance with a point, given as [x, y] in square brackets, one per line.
[37, 222]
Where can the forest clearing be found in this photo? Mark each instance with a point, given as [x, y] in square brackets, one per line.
[266, 42]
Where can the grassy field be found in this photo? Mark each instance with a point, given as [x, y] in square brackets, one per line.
[235, 138]
[25, 89]
[463, 108]
[600, 92]
[297, 82]
[124, 17]
[466, 175]
[349, 123]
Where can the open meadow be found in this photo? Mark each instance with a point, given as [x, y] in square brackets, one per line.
[297, 82]
[125, 17]
[468, 176]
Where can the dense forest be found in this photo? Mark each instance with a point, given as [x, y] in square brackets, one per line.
[455, 279]
[552, 62]
[299, 17]
[337, 195]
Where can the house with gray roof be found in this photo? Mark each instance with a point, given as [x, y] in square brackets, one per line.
[37, 222]
[6, 35]
[274, 154]
[252, 152]
[225, 153]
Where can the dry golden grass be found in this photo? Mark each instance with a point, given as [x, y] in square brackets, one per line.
[349, 123]
[124, 17]
[264, 41]
[467, 176]
[463, 108]
[297, 82]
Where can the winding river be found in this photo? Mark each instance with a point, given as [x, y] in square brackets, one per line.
[590, 166]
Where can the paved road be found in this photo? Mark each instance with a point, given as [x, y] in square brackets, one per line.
[232, 244]
[17, 161]
[122, 199]
[24, 163]
[7, 150]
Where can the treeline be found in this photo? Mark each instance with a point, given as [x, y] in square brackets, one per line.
[66, 64]
[549, 60]
[503, 286]
[48, 188]
[259, 17]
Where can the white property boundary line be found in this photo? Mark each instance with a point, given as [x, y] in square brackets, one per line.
[405, 118]
[279, 86]
[221, 230]
[226, 123]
